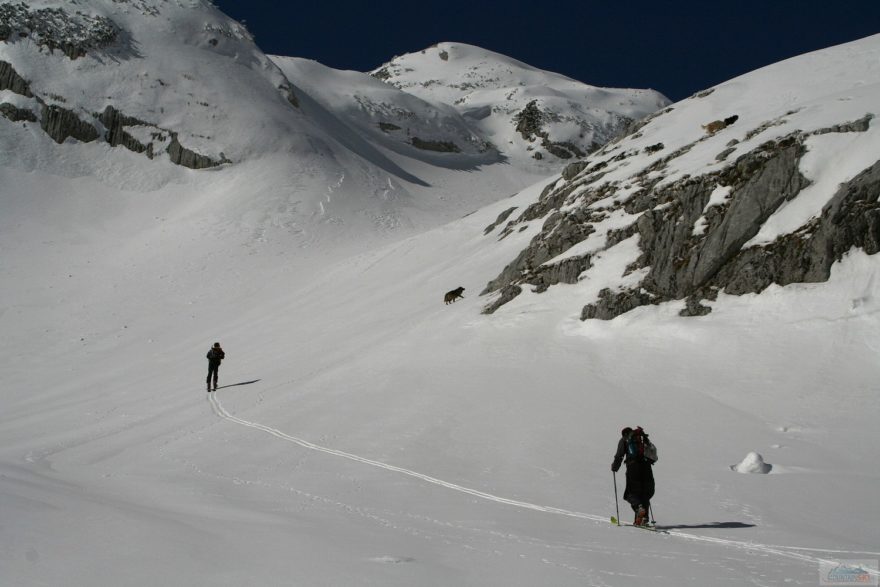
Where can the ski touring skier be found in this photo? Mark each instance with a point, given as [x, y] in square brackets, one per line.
[215, 356]
[635, 449]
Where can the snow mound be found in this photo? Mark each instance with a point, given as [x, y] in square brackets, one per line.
[753, 463]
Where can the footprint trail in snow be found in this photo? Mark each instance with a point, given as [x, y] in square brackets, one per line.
[790, 552]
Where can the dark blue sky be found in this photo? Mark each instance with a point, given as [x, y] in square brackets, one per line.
[677, 48]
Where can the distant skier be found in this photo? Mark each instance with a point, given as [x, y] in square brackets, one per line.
[640, 455]
[215, 355]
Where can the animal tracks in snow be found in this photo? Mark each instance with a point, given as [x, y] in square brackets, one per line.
[789, 552]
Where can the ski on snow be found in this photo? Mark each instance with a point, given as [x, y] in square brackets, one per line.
[651, 528]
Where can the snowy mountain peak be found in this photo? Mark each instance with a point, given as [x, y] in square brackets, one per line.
[153, 77]
[524, 111]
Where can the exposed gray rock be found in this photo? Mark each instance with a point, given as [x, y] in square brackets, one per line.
[860, 125]
[290, 94]
[723, 155]
[678, 262]
[611, 305]
[693, 307]
[681, 263]
[115, 123]
[501, 218]
[388, 127]
[565, 271]
[573, 169]
[61, 123]
[180, 155]
[507, 294]
[17, 114]
[56, 29]
[850, 219]
[568, 230]
[686, 269]
[530, 121]
[12, 81]
[530, 125]
[438, 146]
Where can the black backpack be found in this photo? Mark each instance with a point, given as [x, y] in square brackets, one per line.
[639, 446]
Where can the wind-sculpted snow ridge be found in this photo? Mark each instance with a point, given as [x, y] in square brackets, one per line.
[793, 553]
[731, 190]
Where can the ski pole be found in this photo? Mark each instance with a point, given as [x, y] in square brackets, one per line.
[616, 507]
[651, 510]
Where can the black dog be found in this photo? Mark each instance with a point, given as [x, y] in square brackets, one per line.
[453, 295]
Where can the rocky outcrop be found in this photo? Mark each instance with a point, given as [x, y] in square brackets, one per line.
[573, 169]
[115, 122]
[56, 29]
[61, 124]
[288, 92]
[501, 218]
[437, 146]
[850, 219]
[691, 242]
[680, 261]
[16, 114]
[507, 293]
[530, 125]
[180, 155]
[12, 81]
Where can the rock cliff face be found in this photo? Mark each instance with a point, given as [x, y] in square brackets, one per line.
[61, 123]
[729, 190]
[690, 247]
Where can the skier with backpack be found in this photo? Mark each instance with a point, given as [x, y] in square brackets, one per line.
[215, 356]
[636, 450]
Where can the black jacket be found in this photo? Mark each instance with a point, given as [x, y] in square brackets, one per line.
[215, 356]
[620, 454]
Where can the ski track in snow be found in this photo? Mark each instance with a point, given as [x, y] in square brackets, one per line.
[790, 552]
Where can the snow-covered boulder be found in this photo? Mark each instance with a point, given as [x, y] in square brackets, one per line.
[753, 463]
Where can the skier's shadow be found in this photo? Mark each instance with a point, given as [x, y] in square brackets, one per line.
[711, 525]
[238, 384]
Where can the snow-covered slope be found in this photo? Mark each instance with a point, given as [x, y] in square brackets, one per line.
[118, 90]
[391, 117]
[365, 432]
[525, 112]
[184, 67]
[371, 434]
[768, 178]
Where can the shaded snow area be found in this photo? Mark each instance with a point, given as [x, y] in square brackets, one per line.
[365, 432]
